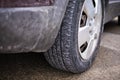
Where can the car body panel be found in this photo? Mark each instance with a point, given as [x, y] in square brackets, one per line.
[112, 10]
[25, 3]
[25, 29]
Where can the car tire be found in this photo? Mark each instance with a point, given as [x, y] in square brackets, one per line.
[72, 50]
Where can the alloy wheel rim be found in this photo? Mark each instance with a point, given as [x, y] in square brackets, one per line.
[89, 27]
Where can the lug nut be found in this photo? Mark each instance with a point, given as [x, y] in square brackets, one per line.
[90, 24]
[90, 32]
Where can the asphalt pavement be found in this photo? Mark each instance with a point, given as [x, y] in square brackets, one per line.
[33, 66]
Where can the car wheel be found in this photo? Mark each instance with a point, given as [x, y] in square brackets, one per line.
[78, 40]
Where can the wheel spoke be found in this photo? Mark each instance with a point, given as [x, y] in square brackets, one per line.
[96, 7]
[89, 49]
[90, 46]
[89, 8]
[83, 35]
[93, 39]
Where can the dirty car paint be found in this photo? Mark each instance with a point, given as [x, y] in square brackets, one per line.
[25, 3]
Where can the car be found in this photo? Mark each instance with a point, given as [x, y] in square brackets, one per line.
[67, 32]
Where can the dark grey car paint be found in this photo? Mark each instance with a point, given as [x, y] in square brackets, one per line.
[35, 28]
[30, 29]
